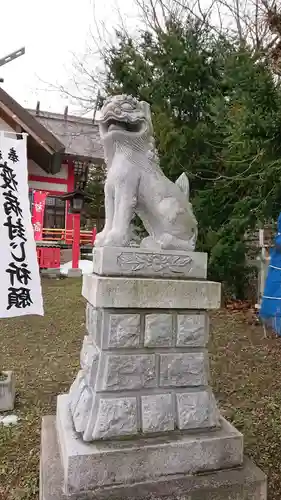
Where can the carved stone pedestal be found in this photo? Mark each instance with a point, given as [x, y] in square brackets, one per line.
[140, 410]
[144, 362]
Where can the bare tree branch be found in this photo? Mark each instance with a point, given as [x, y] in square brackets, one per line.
[250, 22]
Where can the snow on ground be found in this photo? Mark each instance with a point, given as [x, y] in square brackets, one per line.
[86, 267]
[9, 420]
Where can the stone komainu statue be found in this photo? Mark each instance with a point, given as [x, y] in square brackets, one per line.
[135, 183]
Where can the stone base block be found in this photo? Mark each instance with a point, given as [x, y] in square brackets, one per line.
[74, 273]
[113, 414]
[114, 261]
[7, 392]
[51, 272]
[98, 464]
[149, 293]
[242, 483]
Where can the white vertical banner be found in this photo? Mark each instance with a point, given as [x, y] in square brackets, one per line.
[20, 285]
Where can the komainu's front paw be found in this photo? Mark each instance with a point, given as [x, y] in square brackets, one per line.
[116, 239]
[166, 241]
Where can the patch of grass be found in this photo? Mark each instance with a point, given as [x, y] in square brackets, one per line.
[245, 377]
[44, 354]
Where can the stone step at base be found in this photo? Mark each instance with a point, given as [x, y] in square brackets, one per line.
[241, 483]
[104, 463]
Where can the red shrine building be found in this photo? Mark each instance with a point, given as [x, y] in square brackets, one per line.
[61, 149]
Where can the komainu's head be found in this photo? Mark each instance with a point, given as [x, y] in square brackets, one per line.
[124, 117]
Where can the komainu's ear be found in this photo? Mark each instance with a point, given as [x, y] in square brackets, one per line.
[146, 108]
[147, 113]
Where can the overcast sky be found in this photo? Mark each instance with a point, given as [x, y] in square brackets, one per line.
[51, 32]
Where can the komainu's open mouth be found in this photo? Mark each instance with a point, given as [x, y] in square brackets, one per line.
[112, 125]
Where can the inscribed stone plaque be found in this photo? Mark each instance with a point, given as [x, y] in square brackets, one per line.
[129, 371]
[116, 417]
[157, 413]
[183, 370]
[192, 329]
[124, 330]
[158, 330]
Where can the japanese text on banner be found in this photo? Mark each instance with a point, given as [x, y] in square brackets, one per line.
[20, 287]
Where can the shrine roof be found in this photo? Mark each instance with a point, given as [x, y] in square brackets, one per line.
[45, 147]
[79, 135]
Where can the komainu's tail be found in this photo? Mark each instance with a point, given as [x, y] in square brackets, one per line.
[183, 183]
